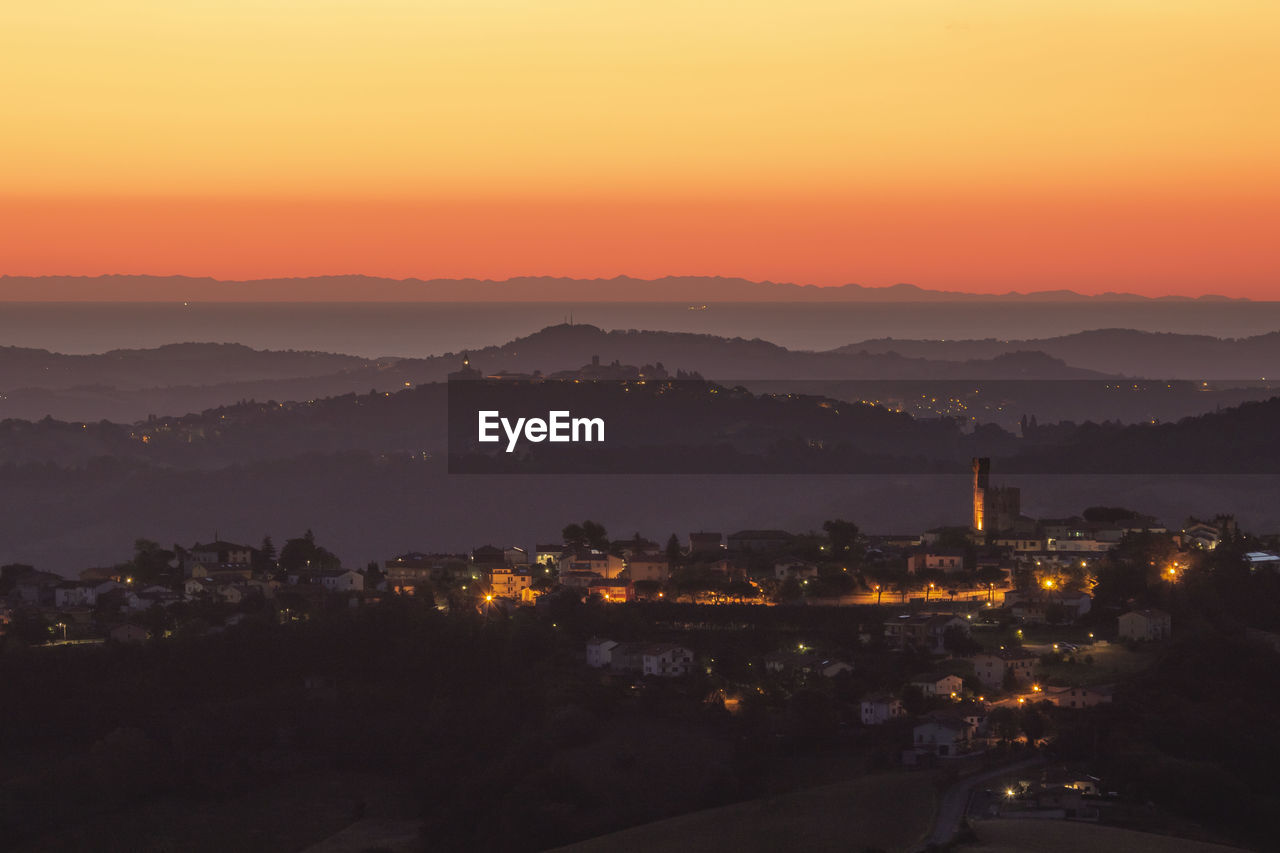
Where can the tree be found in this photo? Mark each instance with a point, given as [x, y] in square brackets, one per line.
[150, 562]
[846, 540]
[588, 534]
[304, 553]
[267, 555]
[673, 549]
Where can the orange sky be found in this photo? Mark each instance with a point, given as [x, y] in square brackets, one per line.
[984, 145]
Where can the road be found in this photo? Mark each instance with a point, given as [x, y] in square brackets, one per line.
[956, 799]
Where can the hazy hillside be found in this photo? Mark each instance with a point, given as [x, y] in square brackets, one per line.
[175, 364]
[363, 471]
[1123, 351]
[128, 385]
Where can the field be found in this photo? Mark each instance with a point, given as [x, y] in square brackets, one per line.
[1112, 662]
[891, 812]
[1059, 836]
[289, 815]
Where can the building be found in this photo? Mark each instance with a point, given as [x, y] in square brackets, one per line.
[509, 582]
[547, 555]
[600, 652]
[1079, 697]
[220, 552]
[1256, 560]
[592, 560]
[655, 569]
[925, 631]
[880, 708]
[943, 735]
[795, 570]
[221, 571]
[991, 667]
[939, 684]
[666, 661]
[758, 540]
[1035, 607]
[614, 590]
[341, 580]
[705, 543]
[949, 560]
[75, 594]
[1146, 625]
[995, 508]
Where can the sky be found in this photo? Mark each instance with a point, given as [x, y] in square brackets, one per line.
[982, 145]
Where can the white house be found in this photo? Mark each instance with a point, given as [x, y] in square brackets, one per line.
[342, 580]
[600, 652]
[667, 661]
[880, 709]
[939, 684]
[990, 667]
[943, 736]
[1146, 625]
[795, 569]
[74, 594]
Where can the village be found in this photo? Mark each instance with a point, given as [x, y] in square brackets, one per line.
[948, 641]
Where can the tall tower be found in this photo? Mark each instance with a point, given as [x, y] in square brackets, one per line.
[981, 478]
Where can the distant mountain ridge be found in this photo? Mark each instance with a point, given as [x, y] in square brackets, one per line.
[127, 385]
[1153, 355]
[363, 288]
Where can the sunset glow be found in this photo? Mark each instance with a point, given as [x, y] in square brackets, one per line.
[984, 145]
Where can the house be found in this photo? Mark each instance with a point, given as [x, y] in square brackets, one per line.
[943, 735]
[230, 593]
[758, 540]
[939, 684]
[949, 560]
[220, 571]
[341, 580]
[36, 587]
[1078, 546]
[655, 569]
[925, 631]
[638, 546]
[488, 557]
[1035, 607]
[592, 560]
[795, 570]
[600, 652]
[578, 580]
[991, 667]
[799, 663]
[509, 582]
[197, 587]
[705, 543]
[611, 589]
[1079, 697]
[547, 555]
[1146, 625]
[127, 634]
[1204, 537]
[880, 708]
[101, 574]
[220, 552]
[1262, 560]
[515, 556]
[667, 661]
[74, 594]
